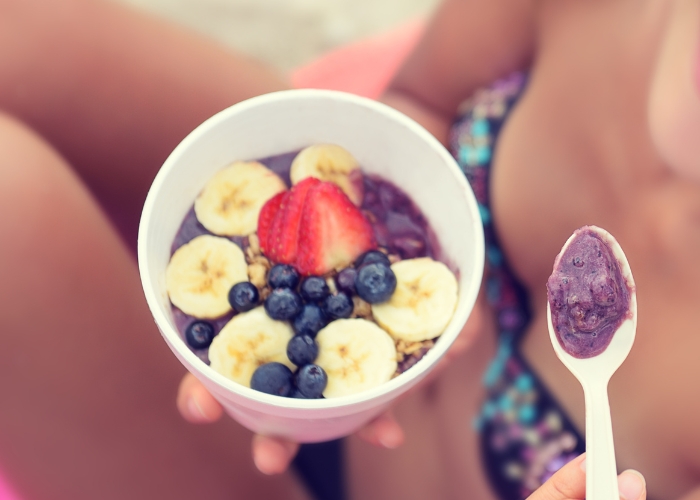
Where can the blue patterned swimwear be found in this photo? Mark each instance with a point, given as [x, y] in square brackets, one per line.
[525, 435]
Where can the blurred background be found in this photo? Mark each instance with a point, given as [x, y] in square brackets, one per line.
[287, 33]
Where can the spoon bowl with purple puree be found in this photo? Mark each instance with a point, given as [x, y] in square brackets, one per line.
[592, 320]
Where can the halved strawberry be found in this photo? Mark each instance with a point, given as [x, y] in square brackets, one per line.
[266, 219]
[284, 235]
[333, 231]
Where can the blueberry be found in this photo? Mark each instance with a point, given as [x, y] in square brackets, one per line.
[199, 334]
[273, 378]
[283, 276]
[375, 282]
[302, 350]
[296, 394]
[314, 289]
[338, 306]
[371, 257]
[311, 381]
[309, 321]
[345, 280]
[283, 304]
[243, 296]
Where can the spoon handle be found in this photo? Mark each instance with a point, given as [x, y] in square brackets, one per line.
[601, 469]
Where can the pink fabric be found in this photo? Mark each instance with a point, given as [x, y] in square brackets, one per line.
[364, 68]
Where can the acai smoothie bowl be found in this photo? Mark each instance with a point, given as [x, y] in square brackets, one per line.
[310, 256]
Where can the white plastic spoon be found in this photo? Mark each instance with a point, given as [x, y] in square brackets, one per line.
[594, 374]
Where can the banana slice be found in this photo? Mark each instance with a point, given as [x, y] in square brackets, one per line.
[249, 340]
[356, 355]
[201, 273]
[332, 163]
[423, 302]
[230, 203]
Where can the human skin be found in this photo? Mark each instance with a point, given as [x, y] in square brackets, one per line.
[674, 100]
[579, 140]
[582, 122]
[587, 120]
[100, 97]
[93, 97]
[115, 106]
[87, 388]
[107, 93]
[569, 483]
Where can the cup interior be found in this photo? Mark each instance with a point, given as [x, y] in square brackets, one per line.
[384, 141]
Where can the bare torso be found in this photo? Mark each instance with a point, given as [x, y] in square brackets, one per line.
[577, 151]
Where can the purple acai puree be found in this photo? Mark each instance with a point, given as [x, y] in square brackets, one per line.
[588, 296]
[399, 227]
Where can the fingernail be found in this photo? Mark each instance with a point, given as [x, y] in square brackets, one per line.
[391, 438]
[272, 456]
[194, 408]
[262, 463]
[263, 457]
[631, 484]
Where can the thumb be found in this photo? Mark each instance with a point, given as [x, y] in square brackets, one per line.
[568, 483]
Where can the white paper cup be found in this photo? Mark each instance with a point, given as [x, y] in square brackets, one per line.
[385, 142]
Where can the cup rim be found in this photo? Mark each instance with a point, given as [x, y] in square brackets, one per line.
[464, 305]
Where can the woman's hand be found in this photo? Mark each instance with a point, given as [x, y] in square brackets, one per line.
[569, 483]
[272, 455]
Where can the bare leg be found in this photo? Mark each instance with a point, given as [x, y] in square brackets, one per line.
[115, 90]
[88, 387]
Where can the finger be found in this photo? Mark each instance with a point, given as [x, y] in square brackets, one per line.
[273, 455]
[568, 483]
[632, 485]
[384, 431]
[195, 403]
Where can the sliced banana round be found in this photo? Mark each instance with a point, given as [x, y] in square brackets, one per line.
[356, 355]
[423, 302]
[329, 162]
[230, 203]
[201, 273]
[249, 340]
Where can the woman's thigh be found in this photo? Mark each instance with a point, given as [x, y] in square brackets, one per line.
[115, 89]
[88, 387]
